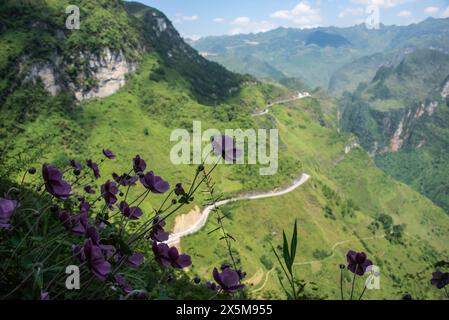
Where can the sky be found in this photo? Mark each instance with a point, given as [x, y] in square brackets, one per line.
[200, 18]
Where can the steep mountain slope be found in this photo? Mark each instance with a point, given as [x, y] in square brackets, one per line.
[210, 82]
[66, 59]
[346, 198]
[340, 208]
[402, 116]
[40, 57]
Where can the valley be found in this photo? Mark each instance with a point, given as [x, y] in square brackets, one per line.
[363, 143]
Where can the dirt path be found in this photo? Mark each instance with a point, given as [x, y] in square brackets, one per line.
[256, 278]
[337, 244]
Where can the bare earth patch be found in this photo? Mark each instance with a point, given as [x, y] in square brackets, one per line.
[255, 279]
[185, 221]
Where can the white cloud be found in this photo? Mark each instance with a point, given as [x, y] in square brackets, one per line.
[244, 25]
[404, 14]
[303, 15]
[190, 18]
[180, 18]
[446, 13]
[351, 12]
[431, 10]
[218, 20]
[192, 37]
[382, 3]
[241, 21]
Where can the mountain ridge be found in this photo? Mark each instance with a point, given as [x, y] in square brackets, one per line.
[285, 48]
[348, 197]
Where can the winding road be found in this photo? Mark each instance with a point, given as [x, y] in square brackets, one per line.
[298, 96]
[174, 238]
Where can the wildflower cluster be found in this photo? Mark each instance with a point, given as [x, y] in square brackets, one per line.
[105, 231]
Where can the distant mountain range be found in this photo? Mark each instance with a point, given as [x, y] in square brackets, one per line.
[328, 57]
[127, 79]
[392, 84]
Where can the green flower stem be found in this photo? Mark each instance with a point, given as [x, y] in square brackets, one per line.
[341, 284]
[353, 282]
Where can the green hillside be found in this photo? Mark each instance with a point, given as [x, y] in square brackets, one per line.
[401, 117]
[338, 206]
[344, 205]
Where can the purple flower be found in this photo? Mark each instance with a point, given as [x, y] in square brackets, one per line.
[154, 183]
[54, 183]
[108, 192]
[108, 250]
[139, 164]
[116, 177]
[96, 260]
[228, 279]
[166, 256]
[135, 260]
[92, 233]
[179, 190]
[125, 179]
[76, 165]
[224, 146]
[75, 224]
[7, 208]
[241, 274]
[178, 260]
[122, 284]
[94, 168]
[127, 289]
[108, 154]
[212, 286]
[133, 213]
[89, 190]
[78, 252]
[158, 233]
[357, 262]
[440, 279]
[44, 296]
[84, 207]
[161, 253]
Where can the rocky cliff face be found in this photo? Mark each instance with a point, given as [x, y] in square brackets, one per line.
[395, 110]
[404, 128]
[46, 73]
[445, 92]
[389, 131]
[92, 71]
[107, 71]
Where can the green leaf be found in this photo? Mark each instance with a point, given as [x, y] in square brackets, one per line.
[278, 258]
[289, 296]
[294, 242]
[286, 253]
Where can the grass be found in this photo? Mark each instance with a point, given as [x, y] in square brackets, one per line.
[255, 223]
[139, 119]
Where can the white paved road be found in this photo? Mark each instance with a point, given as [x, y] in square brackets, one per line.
[174, 238]
[299, 96]
[200, 223]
